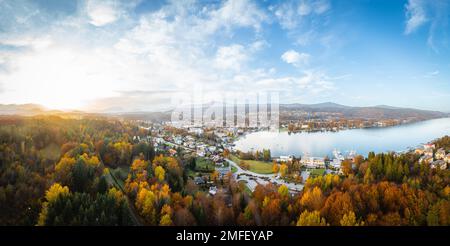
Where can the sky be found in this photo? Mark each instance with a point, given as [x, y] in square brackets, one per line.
[115, 56]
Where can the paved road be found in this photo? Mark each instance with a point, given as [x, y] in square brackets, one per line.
[253, 179]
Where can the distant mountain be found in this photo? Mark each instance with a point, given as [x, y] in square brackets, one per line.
[317, 106]
[21, 109]
[373, 112]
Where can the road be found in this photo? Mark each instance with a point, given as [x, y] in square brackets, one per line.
[254, 179]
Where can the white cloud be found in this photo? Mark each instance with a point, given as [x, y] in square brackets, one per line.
[291, 13]
[321, 6]
[295, 58]
[237, 12]
[415, 15]
[171, 49]
[304, 8]
[433, 15]
[230, 57]
[102, 12]
[431, 74]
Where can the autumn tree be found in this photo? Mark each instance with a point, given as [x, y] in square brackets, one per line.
[275, 168]
[283, 170]
[160, 173]
[311, 219]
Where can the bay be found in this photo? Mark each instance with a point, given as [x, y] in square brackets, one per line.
[320, 144]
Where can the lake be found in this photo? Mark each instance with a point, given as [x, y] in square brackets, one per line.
[320, 144]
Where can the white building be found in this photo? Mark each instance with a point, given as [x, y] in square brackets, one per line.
[212, 190]
[426, 158]
[440, 154]
[336, 164]
[439, 164]
[429, 146]
[284, 158]
[447, 158]
[313, 162]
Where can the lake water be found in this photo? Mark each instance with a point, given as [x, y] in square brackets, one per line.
[320, 144]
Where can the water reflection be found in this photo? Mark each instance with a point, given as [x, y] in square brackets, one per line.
[397, 138]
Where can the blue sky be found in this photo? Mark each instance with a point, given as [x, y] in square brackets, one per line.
[139, 55]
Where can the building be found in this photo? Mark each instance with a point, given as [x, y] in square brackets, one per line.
[440, 154]
[305, 176]
[419, 150]
[441, 164]
[199, 181]
[447, 158]
[172, 152]
[426, 159]
[335, 164]
[428, 152]
[429, 146]
[223, 171]
[313, 162]
[212, 190]
[284, 158]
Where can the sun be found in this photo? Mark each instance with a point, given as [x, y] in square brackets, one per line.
[59, 78]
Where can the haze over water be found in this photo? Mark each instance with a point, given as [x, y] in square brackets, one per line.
[320, 144]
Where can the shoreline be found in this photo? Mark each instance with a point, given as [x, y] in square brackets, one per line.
[410, 148]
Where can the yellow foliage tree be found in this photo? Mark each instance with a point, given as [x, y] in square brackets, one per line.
[215, 176]
[275, 168]
[145, 201]
[160, 173]
[283, 191]
[139, 165]
[165, 220]
[283, 170]
[311, 219]
[55, 191]
[166, 216]
[51, 195]
[349, 219]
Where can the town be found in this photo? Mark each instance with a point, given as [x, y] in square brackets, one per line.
[215, 157]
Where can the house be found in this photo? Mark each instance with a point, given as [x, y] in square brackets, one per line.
[172, 152]
[211, 149]
[426, 159]
[178, 140]
[313, 162]
[429, 146]
[212, 190]
[336, 164]
[439, 164]
[284, 158]
[305, 176]
[200, 153]
[440, 154]
[196, 130]
[447, 158]
[419, 150]
[223, 171]
[428, 152]
[199, 181]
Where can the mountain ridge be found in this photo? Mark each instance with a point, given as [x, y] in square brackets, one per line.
[378, 111]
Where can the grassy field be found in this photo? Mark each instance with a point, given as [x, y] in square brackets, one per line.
[233, 169]
[204, 165]
[260, 167]
[317, 172]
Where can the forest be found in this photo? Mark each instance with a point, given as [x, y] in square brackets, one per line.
[91, 171]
